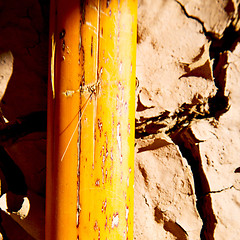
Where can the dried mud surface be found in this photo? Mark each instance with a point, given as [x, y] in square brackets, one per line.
[187, 166]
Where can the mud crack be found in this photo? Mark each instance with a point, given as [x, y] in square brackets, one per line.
[193, 17]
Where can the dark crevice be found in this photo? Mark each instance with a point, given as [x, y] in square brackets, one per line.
[170, 124]
[13, 175]
[10, 132]
[227, 43]
[189, 148]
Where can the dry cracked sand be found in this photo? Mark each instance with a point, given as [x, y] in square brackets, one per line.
[187, 164]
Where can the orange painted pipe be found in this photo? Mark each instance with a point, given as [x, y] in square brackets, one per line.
[91, 105]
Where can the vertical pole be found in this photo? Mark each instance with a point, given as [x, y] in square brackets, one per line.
[90, 152]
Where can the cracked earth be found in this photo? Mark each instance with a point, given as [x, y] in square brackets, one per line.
[187, 120]
[187, 168]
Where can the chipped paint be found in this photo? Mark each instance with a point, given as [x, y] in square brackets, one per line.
[119, 142]
[127, 213]
[115, 220]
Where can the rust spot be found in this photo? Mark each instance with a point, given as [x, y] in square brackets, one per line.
[95, 137]
[99, 238]
[106, 223]
[106, 152]
[126, 105]
[111, 154]
[102, 175]
[106, 173]
[119, 83]
[91, 46]
[103, 155]
[104, 205]
[100, 126]
[101, 31]
[89, 216]
[97, 183]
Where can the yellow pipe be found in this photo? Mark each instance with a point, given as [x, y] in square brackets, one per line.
[90, 155]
